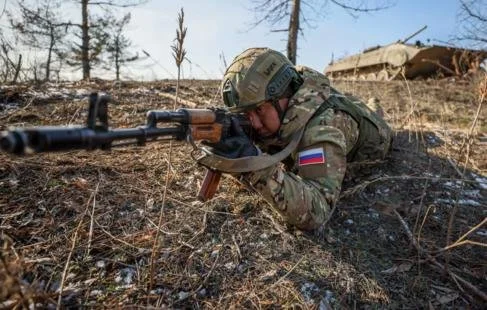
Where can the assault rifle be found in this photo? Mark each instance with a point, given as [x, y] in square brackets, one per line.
[208, 125]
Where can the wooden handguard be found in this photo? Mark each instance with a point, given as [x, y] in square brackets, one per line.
[210, 184]
[208, 132]
[201, 116]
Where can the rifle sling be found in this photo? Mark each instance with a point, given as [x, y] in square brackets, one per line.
[308, 105]
[250, 163]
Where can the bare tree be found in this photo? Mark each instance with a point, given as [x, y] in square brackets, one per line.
[9, 68]
[299, 12]
[39, 27]
[86, 52]
[85, 57]
[472, 18]
[118, 45]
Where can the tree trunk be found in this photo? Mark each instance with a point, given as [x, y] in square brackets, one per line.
[117, 65]
[85, 57]
[117, 57]
[7, 63]
[292, 42]
[5, 72]
[17, 69]
[49, 55]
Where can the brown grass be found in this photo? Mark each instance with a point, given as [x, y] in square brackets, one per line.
[234, 251]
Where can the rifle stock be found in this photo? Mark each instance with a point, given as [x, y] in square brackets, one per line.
[208, 125]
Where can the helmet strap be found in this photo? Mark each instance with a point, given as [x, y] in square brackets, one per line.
[279, 110]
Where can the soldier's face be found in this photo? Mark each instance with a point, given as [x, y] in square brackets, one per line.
[265, 120]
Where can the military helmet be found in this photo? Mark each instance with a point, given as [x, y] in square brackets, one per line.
[255, 76]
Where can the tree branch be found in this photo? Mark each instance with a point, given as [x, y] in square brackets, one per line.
[467, 9]
[359, 8]
[111, 3]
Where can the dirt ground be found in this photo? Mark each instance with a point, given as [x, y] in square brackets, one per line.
[99, 227]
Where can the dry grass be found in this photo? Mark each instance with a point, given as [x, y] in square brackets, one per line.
[233, 251]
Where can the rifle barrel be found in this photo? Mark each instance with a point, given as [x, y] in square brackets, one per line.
[45, 139]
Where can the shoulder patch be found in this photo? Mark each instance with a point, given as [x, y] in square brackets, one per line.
[312, 156]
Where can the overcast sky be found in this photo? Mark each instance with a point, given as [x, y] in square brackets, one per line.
[217, 27]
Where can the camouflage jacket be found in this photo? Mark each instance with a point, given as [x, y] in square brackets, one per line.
[305, 186]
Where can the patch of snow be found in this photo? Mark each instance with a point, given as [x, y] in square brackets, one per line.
[451, 184]
[241, 268]
[215, 253]
[10, 106]
[142, 90]
[349, 222]
[308, 289]
[446, 201]
[96, 292]
[469, 202]
[481, 181]
[373, 213]
[324, 305]
[124, 287]
[481, 232]
[125, 276]
[150, 203]
[100, 264]
[183, 295]
[81, 93]
[230, 266]
[39, 95]
[160, 291]
[14, 182]
[474, 193]
[433, 139]
[202, 292]
[326, 301]
[465, 202]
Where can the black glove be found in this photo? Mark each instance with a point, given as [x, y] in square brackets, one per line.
[236, 145]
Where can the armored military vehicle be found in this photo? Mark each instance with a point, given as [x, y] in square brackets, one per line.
[410, 61]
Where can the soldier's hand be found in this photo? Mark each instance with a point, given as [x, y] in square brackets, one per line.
[236, 145]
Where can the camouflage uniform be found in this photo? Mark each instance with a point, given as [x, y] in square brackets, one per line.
[307, 184]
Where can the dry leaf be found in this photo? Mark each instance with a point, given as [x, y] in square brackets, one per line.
[80, 183]
[384, 208]
[445, 299]
[398, 268]
[268, 275]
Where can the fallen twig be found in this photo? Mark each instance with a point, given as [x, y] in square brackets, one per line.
[188, 103]
[90, 234]
[460, 174]
[461, 241]
[288, 273]
[73, 245]
[454, 276]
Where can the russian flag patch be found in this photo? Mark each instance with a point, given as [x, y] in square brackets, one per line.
[312, 156]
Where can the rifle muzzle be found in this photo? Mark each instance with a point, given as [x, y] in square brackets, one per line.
[13, 142]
